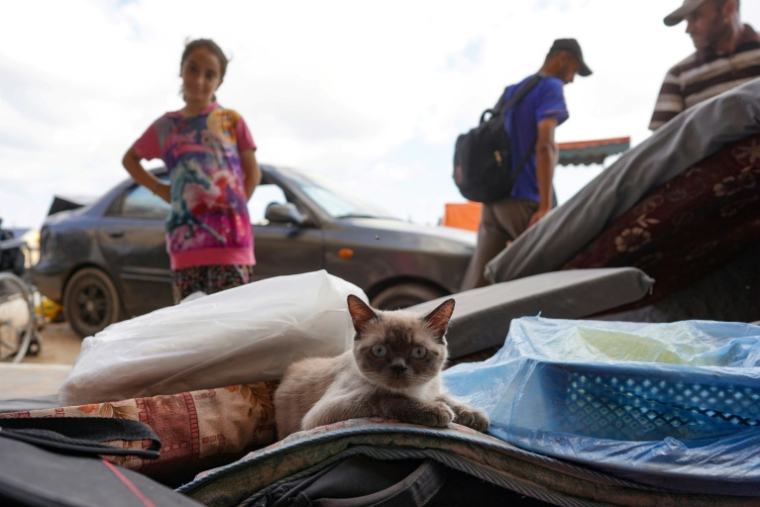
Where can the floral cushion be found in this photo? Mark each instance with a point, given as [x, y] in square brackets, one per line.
[688, 227]
[198, 429]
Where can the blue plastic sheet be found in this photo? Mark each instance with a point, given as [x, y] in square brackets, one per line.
[670, 405]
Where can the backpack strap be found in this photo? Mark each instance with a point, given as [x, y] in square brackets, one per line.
[503, 105]
[516, 97]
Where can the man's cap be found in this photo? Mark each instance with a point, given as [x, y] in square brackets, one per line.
[687, 8]
[572, 46]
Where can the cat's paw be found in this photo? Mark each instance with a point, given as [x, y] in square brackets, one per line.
[437, 415]
[472, 418]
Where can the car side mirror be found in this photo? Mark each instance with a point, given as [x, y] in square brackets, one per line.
[285, 213]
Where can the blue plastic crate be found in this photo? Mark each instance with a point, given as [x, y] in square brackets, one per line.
[671, 405]
[632, 402]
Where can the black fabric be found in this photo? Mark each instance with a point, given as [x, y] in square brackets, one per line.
[483, 169]
[81, 435]
[55, 462]
[35, 477]
[360, 481]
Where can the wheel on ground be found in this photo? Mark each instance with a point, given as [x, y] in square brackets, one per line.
[404, 295]
[16, 318]
[35, 345]
[90, 302]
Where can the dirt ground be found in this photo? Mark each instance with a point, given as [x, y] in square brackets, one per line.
[43, 374]
[60, 345]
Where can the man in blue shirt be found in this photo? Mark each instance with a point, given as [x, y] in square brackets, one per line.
[530, 125]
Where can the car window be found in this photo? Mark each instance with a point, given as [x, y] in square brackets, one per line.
[335, 205]
[336, 201]
[264, 195]
[142, 203]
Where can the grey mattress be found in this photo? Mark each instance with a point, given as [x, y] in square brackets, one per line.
[482, 316]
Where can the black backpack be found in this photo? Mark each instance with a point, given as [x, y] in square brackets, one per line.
[482, 157]
[361, 481]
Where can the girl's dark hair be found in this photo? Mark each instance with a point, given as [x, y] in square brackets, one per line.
[210, 45]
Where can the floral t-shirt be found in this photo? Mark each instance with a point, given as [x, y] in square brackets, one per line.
[208, 223]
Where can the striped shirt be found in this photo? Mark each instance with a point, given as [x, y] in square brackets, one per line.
[704, 75]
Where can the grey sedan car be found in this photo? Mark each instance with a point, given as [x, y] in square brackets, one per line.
[107, 261]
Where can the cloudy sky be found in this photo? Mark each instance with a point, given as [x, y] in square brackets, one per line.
[372, 94]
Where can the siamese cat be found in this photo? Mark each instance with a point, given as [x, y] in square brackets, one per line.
[393, 372]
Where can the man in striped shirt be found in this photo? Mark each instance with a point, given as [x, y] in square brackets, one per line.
[728, 55]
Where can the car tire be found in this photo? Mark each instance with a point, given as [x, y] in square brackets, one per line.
[90, 302]
[404, 295]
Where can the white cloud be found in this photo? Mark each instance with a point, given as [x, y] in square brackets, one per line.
[372, 94]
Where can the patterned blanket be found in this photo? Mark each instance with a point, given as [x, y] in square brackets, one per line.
[247, 481]
[686, 228]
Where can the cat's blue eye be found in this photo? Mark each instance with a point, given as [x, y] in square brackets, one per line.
[419, 352]
[379, 350]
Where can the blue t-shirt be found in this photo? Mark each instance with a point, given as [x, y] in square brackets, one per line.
[544, 101]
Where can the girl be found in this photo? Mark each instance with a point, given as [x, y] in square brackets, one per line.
[213, 171]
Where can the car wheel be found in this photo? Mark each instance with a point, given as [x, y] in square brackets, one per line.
[90, 302]
[404, 295]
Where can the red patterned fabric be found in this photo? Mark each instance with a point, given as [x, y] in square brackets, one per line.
[688, 227]
[198, 430]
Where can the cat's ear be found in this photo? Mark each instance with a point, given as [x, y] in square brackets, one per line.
[438, 319]
[361, 314]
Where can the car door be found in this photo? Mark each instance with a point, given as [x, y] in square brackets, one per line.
[133, 243]
[282, 248]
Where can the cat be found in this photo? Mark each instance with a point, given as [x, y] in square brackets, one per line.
[393, 372]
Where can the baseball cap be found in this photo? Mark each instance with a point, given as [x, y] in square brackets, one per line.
[677, 15]
[572, 46]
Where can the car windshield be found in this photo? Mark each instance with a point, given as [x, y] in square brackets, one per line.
[335, 201]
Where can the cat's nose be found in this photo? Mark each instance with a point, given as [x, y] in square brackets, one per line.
[398, 366]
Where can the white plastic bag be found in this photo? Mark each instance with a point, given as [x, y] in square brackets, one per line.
[246, 334]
